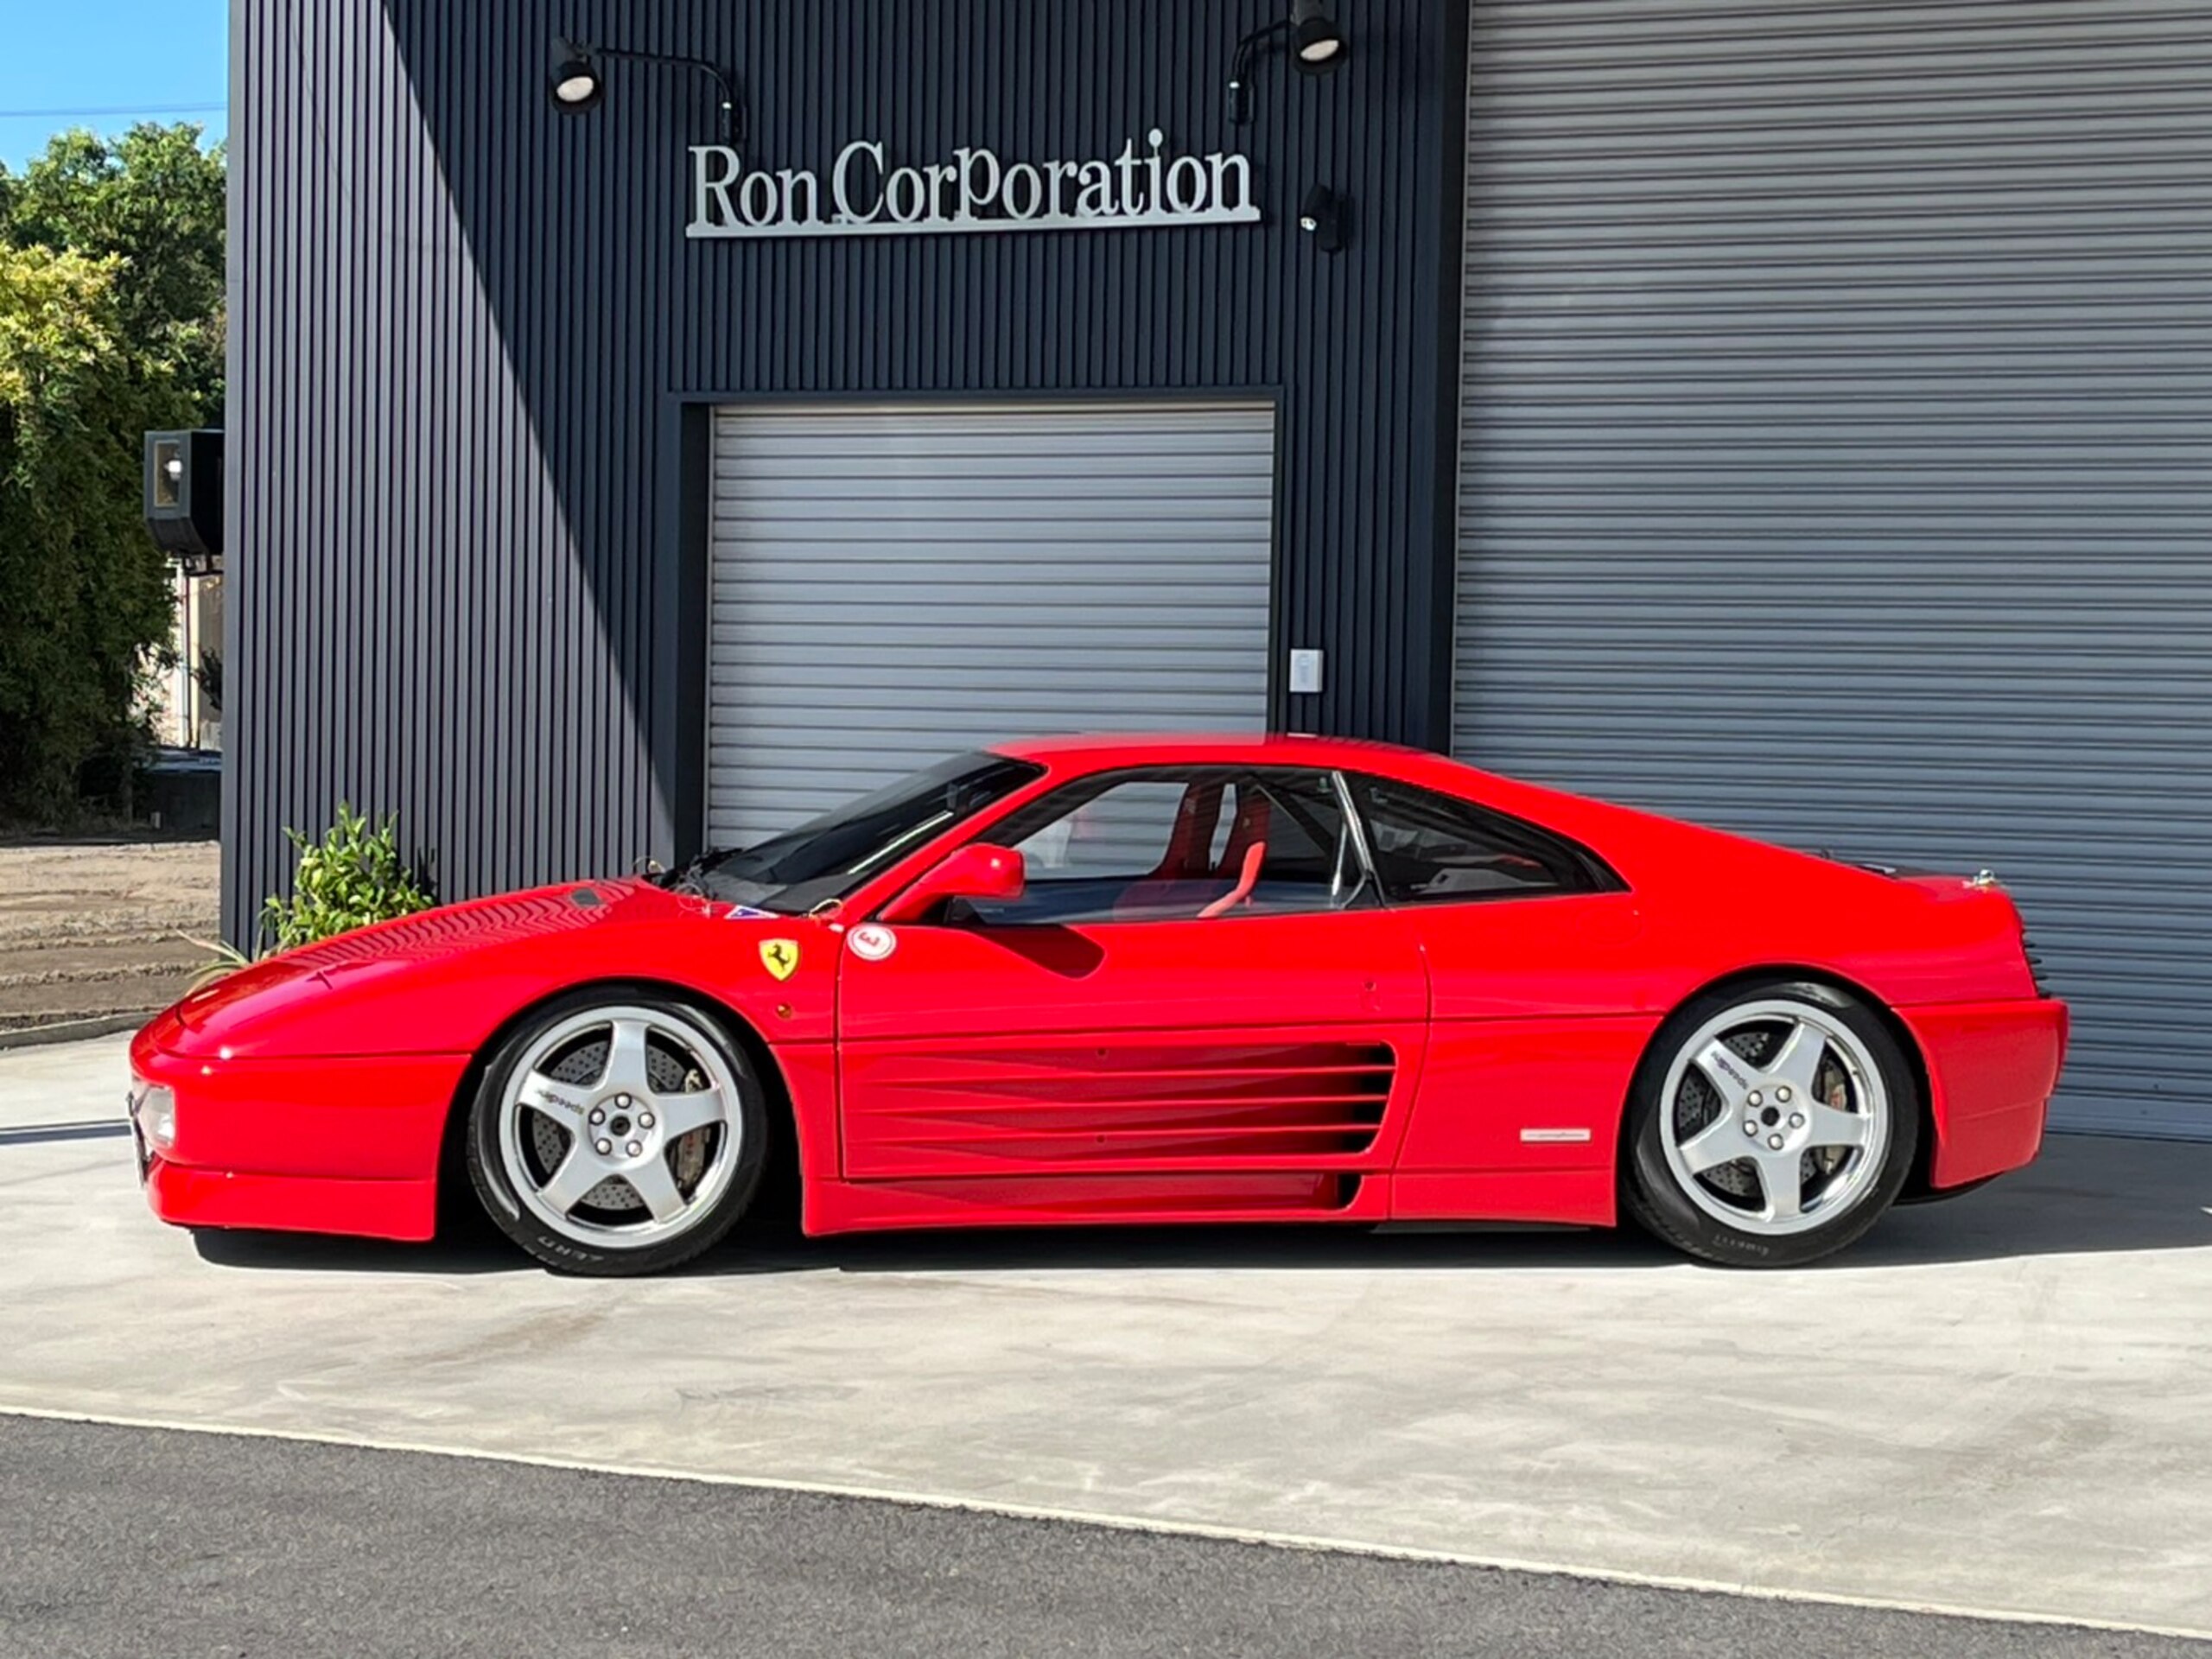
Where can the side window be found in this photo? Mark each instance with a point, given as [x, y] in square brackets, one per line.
[1182, 845]
[1115, 835]
[1430, 849]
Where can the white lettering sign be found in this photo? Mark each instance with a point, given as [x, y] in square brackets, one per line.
[867, 195]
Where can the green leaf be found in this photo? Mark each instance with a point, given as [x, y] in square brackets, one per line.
[354, 876]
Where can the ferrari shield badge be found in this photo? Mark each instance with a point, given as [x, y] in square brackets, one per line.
[779, 956]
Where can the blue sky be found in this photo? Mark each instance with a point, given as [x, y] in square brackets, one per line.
[126, 60]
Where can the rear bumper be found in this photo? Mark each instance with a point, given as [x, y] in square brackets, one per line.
[1992, 1069]
[346, 1145]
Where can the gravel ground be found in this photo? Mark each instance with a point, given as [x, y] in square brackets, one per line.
[94, 930]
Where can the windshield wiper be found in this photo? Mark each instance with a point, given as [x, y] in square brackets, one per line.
[687, 877]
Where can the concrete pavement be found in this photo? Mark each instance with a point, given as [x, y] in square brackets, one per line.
[1998, 1404]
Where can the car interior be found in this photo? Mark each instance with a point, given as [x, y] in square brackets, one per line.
[1151, 849]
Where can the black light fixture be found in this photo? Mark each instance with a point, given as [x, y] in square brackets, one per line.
[1316, 43]
[1326, 217]
[1316, 46]
[184, 498]
[577, 84]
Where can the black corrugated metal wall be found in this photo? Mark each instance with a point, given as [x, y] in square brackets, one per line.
[464, 329]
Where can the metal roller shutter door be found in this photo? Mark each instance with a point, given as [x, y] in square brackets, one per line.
[891, 585]
[1837, 457]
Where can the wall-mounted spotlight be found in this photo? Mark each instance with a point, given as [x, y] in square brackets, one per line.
[1326, 217]
[1316, 42]
[1316, 46]
[577, 84]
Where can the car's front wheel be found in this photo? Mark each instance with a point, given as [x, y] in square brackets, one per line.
[614, 1133]
[1769, 1125]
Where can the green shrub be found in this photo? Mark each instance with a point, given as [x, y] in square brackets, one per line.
[353, 876]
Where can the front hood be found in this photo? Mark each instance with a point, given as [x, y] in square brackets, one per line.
[310, 973]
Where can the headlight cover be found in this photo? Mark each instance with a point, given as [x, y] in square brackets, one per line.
[154, 1106]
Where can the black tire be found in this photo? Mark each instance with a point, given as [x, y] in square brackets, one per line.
[609, 1257]
[1652, 1194]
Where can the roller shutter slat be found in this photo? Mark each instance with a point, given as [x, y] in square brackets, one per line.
[890, 585]
[1838, 403]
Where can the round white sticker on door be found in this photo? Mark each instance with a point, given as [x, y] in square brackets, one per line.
[873, 943]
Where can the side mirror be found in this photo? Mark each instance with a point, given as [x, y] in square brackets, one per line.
[976, 871]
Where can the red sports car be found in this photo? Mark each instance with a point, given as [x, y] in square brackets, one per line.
[1135, 979]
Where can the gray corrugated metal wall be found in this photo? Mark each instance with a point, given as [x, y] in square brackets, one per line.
[465, 329]
[1837, 456]
[891, 584]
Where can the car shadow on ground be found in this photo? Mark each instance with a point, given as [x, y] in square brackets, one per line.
[781, 1249]
[2087, 1195]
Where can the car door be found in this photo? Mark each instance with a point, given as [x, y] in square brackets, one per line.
[1198, 976]
[1538, 1011]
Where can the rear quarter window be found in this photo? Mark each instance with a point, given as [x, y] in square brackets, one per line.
[1435, 849]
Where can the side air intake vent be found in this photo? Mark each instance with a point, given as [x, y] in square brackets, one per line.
[1144, 1104]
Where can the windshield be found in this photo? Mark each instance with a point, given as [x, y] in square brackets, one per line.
[829, 857]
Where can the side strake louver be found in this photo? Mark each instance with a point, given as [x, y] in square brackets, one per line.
[1093, 1106]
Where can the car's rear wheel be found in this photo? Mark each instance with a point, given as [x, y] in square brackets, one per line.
[615, 1133]
[1769, 1125]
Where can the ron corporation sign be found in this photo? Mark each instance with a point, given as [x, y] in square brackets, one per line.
[865, 194]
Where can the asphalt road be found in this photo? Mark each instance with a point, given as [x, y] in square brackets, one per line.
[128, 1541]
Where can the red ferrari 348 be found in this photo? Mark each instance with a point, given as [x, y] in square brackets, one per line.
[1134, 980]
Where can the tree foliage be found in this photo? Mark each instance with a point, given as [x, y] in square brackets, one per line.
[83, 593]
[111, 324]
[153, 200]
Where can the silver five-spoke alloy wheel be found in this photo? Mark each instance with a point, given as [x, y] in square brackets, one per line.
[1774, 1118]
[619, 1127]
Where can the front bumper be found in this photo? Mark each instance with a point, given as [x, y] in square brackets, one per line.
[345, 1144]
[1991, 1070]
